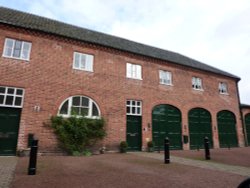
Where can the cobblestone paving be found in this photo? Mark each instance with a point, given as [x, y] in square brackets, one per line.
[7, 168]
[244, 171]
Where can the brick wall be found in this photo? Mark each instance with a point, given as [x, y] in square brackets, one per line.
[48, 79]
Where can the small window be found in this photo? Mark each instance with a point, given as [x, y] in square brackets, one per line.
[223, 88]
[11, 97]
[134, 71]
[134, 107]
[79, 106]
[83, 61]
[196, 83]
[165, 77]
[16, 49]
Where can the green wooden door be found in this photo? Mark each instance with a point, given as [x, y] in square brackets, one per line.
[134, 133]
[9, 125]
[227, 130]
[166, 122]
[247, 123]
[200, 126]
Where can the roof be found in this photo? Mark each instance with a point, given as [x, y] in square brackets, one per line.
[244, 105]
[30, 21]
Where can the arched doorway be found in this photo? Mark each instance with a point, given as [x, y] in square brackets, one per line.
[227, 130]
[200, 126]
[166, 122]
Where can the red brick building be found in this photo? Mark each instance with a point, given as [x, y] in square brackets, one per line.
[144, 93]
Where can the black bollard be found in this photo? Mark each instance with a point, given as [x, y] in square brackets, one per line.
[33, 157]
[166, 150]
[206, 146]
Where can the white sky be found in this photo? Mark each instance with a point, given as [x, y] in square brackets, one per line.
[215, 32]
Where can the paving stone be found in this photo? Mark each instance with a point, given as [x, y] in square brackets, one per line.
[244, 171]
[7, 168]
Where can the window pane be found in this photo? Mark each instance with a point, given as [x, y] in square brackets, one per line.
[133, 102]
[85, 101]
[9, 100]
[138, 103]
[19, 92]
[26, 50]
[133, 110]
[1, 99]
[94, 110]
[129, 70]
[84, 112]
[64, 108]
[138, 71]
[11, 90]
[8, 47]
[2, 89]
[76, 101]
[18, 101]
[138, 111]
[77, 60]
[17, 48]
[83, 62]
[89, 62]
[128, 110]
[75, 110]
[128, 102]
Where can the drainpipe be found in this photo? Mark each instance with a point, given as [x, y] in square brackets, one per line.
[241, 116]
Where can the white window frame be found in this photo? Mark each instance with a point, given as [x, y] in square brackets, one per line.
[223, 88]
[90, 108]
[22, 50]
[87, 65]
[134, 104]
[197, 83]
[165, 77]
[14, 95]
[134, 71]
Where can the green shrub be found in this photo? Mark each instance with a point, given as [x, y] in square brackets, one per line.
[150, 144]
[77, 134]
[123, 146]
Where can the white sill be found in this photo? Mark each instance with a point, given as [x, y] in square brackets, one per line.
[134, 78]
[166, 84]
[224, 93]
[16, 58]
[83, 69]
[198, 89]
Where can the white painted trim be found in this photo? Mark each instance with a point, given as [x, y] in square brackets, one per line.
[14, 97]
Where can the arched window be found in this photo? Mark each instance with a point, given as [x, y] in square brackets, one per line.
[79, 106]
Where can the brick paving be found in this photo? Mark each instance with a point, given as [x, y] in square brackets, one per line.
[7, 168]
[244, 171]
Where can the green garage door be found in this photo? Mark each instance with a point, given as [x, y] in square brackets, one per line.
[247, 123]
[134, 133]
[200, 126]
[227, 130]
[166, 123]
[9, 125]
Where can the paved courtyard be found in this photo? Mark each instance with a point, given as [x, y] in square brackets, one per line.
[187, 169]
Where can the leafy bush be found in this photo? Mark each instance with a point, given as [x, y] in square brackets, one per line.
[150, 144]
[77, 134]
[123, 146]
